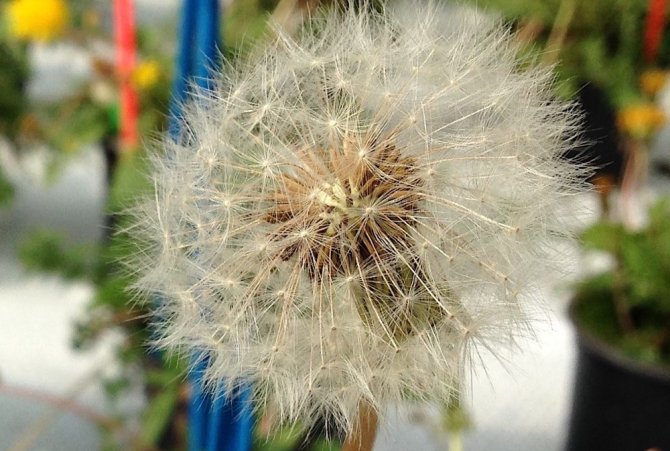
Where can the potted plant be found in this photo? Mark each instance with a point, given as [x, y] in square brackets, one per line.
[622, 317]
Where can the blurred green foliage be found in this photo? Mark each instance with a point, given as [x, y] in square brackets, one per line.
[602, 45]
[47, 251]
[6, 190]
[289, 439]
[245, 22]
[13, 79]
[629, 306]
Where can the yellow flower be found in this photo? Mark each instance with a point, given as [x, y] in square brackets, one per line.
[146, 74]
[653, 80]
[39, 20]
[640, 121]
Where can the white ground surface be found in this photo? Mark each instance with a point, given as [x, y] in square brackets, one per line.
[37, 313]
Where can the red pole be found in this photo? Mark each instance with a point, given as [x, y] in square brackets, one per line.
[653, 30]
[124, 31]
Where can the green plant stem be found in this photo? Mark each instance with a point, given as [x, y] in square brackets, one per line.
[559, 30]
[620, 301]
[619, 296]
[622, 313]
[455, 440]
[455, 421]
[662, 340]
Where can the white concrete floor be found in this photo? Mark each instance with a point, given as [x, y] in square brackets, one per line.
[37, 314]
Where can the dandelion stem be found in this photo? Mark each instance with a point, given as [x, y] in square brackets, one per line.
[455, 441]
[362, 438]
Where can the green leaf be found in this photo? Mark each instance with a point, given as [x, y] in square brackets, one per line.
[594, 309]
[47, 251]
[70, 125]
[112, 291]
[325, 445]
[604, 236]
[13, 81]
[285, 439]
[641, 277]
[158, 414]
[6, 191]
[130, 181]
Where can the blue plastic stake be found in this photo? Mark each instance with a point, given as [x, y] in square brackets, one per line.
[216, 422]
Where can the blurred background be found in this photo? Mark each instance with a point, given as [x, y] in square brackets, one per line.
[81, 97]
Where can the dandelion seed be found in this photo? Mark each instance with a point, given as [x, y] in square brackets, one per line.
[374, 240]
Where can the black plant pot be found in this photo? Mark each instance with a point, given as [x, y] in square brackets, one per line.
[618, 403]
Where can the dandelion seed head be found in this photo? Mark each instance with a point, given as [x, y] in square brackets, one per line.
[350, 213]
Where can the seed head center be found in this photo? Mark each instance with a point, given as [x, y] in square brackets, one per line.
[356, 210]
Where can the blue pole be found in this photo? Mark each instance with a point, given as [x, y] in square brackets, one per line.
[183, 70]
[232, 422]
[216, 422]
[199, 408]
[206, 41]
